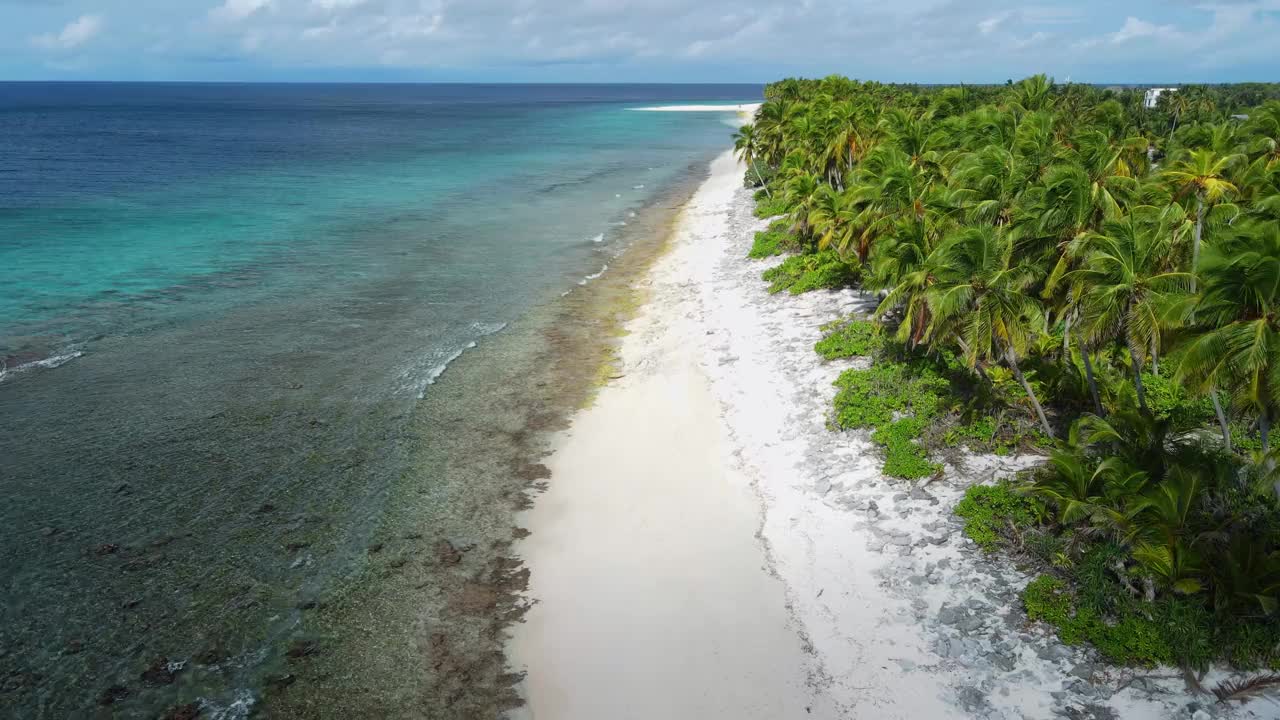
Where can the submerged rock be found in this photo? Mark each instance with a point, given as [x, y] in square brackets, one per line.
[302, 648]
[113, 694]
[160, 672]
[190, 711]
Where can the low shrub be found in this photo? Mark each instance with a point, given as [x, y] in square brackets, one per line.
[853, 338]
[1170, 400]
[767, 207]
[993, 511]
[1171, 631]
[776, 240]
[898, 401]
[904, 457]
[815, 271]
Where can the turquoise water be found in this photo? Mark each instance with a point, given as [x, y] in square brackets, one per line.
[220, 307]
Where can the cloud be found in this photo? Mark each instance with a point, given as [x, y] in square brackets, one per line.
[1134, 28]
[639, 40]
[236, 10]
[76, 33]
[988, 26]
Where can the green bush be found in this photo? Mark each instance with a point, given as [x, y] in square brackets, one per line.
[854, 338]
[776, 240]
[903, 456]
[802, 273]
[1170, 400]
[1172, 631]
[770, 207]
[869, 398]
[1250, 645]
[989, 510]
[979, 432]
[898, 400]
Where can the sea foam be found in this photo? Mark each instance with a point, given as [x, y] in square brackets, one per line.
[48, 363]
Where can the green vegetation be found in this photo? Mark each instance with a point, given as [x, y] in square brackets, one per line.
[852, 338]
[802, 273]
[770, 207]
[773, 241]
[991, 511]
[1065, 268]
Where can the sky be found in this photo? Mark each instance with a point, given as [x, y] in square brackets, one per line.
[930, 41]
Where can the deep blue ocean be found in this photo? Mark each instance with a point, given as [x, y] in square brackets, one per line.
[225, 303]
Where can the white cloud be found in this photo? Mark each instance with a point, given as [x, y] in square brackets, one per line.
[76, 33]
[988, 26]
[235, 10]
[1135, 28]
[337, 4]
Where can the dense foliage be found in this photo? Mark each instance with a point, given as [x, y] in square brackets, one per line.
[1105, 271]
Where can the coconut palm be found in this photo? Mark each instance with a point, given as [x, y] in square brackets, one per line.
[1237, 347]
[1128, 284]
[747, 145]
[980, 301]
[1202, 174]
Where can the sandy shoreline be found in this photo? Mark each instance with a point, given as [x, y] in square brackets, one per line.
[653, 599]
[708, 548]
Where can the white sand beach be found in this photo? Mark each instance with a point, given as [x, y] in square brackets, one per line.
[708, 548]
[653, 595]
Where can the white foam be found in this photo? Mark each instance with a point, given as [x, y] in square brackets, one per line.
[239, 708]
[484, 329]
[598, 238]
[740, 108]
[638, 187]
[48, 363]
[593, 276]
[439, 359]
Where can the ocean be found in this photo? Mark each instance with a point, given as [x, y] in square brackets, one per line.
[263, 346]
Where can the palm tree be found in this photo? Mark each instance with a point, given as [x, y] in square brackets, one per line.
[1177, 104]
[747, 145]
[1202, 173]
[1237, 347]
[980, 300]
[1128, 283]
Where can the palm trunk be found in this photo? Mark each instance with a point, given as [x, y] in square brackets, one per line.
[1195, 247]
[1222, 418]
[1155, 357]
[761, 179]
[1171, 131]
[1137, 377]
[1093, 384]
[1035, 402]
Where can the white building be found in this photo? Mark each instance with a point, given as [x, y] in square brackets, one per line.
[1152, 97]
